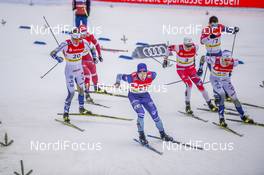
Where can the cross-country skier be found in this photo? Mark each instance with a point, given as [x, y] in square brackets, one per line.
[211, 38]
[89, 64]
[186, 53]
[73, 49]
[221, 67]
[139, 98]
[81, 9]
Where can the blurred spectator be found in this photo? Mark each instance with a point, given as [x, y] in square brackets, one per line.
[82, 11]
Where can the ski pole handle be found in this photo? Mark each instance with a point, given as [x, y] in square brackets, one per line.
[49, 71]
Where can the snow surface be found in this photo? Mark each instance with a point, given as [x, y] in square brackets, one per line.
[29, 104]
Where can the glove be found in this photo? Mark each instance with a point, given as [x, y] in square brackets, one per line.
[95, 60]
[59, 59]
[212, 36]
[100, 58]
[117, 85]
[165, 64]
[241, 62]
[200, 72]
[236, 30]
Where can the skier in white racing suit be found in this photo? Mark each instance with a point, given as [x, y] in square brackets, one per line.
[73, 49]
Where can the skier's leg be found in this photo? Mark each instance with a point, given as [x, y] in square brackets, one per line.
[92, 68]
[87, 75]
[137, 106]
[230, 90]
[151, 108]
[199, 84]
[185, 78]
[219, 91]
[80, 83]
[77, 21]
[70, 87]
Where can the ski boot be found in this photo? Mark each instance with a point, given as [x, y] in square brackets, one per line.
[222, 122]
[188, 109]
[165, 137]
[246, 119]
[212, 107]
[88, 98]
[66, 117]
[142, 138]
[227, 98]
[84, 111]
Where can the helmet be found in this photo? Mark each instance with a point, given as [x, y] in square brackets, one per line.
[213, 19]
[142, 67]
[83, 29]
[75, 34]
[226, 54]
[187, 41]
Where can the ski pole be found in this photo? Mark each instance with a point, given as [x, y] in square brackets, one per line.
[156, 60]
[174, 82]
[233, 46]
[56, 42]
[51, 30]
[205, 73]
[49, 71]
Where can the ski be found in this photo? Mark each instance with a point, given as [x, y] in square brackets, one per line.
[226, 112]
[226, 108]
[97, 104]
[193, 116]
[108, 93]
[99, 115]
[248, 104]
[240, 121]
[252, 105]
[178, 142]
[148, 146]
[228, 129]
[261, 85]
[69, 124]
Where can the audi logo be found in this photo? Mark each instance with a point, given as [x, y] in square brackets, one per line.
[155, 51]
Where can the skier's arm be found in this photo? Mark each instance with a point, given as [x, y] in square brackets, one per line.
[98, 47]
[153, 75]
[54, 53]
[169, 50]
[237, 62]
[73, 5]
[204, 39]
[89, 47]
[88, 7]
[124, 77]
